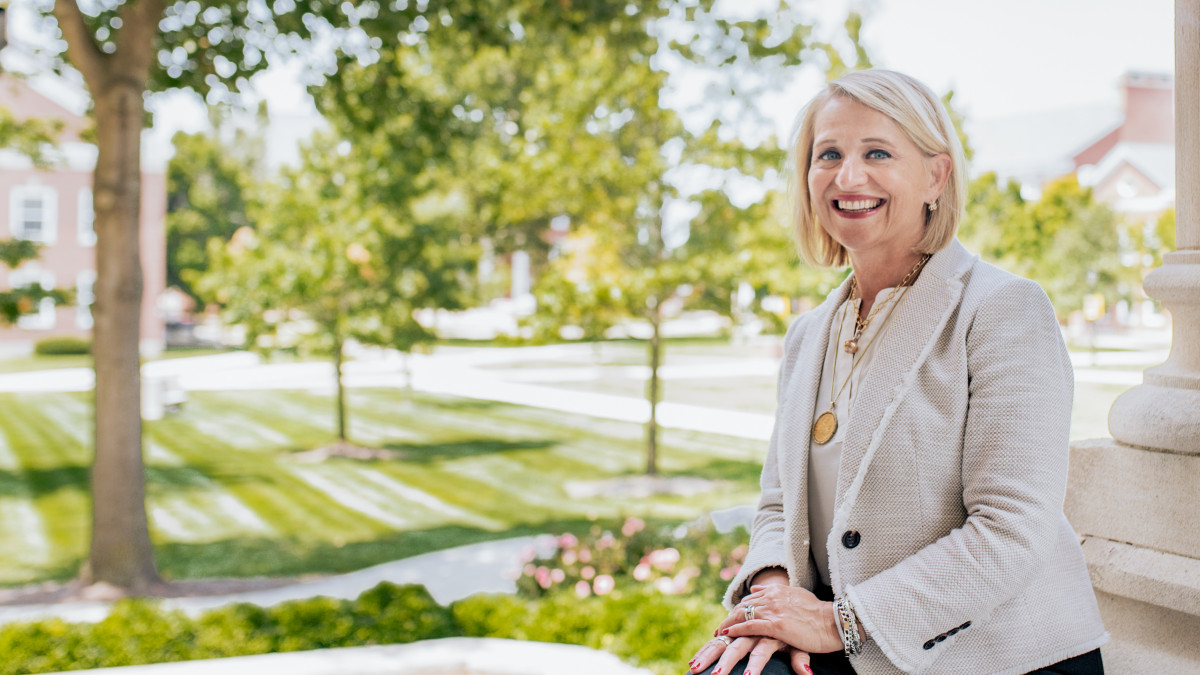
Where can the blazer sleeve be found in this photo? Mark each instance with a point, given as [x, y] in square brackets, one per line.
[768, 546]
[1014, 474]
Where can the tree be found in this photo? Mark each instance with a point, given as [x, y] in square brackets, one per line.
[1065, 240]
[630, 256]
[127, 48]
[327, 263]
[209, 189]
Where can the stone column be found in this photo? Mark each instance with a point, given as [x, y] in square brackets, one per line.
[1134, 498]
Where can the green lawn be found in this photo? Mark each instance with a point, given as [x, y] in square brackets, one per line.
[226, 496]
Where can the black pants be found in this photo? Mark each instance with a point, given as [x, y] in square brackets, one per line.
[836, 663]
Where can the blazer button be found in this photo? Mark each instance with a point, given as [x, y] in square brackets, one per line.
[850, 539]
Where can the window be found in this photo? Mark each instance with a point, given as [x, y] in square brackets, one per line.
[33, 213]
[46, 316]
[84, 297]
[86, 219]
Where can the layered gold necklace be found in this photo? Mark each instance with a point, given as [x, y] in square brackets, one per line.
[827, 422]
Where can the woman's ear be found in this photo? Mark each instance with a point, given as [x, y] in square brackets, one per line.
[939, 174]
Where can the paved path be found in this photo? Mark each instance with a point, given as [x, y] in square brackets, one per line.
[472, 373]
[449, 656]
[449, 575]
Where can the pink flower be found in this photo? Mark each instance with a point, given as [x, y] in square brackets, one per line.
[664, 559]
[726, 573]
[529, 570]
[665, 585]
[632, 526]
[529, 553]
[567, 540]
[543, 577]
[569, 557]
[714, 557]
[582, 589]
[557, 575]
[603, 585]
[605, 541]
[587, 572]
[641, 572]
[740, 552]
[585, 555]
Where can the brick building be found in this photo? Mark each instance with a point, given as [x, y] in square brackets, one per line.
[54, 207]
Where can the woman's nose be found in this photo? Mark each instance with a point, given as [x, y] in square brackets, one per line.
[850, 174]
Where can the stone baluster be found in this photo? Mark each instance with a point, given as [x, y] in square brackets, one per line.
[1134, 498]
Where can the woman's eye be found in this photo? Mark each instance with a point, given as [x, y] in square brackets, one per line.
[829, 154]
[878, 154]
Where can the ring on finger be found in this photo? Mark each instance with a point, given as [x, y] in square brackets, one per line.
[724, 639]
[749, 612]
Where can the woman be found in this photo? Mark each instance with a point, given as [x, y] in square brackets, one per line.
[911, 512]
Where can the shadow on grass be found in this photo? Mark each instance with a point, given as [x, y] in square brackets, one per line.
[721, 469]
[35, 483]
[39, 482]
[249, 557]
[429, 452]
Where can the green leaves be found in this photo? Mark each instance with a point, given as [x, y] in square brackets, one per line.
[1066, 240]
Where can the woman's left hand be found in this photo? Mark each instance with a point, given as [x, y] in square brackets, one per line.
[787, 613]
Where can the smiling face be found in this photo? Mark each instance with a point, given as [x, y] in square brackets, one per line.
[868, 182]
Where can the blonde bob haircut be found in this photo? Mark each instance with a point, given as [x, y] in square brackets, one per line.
[921, 116]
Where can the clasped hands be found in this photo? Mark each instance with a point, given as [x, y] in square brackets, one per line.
[785, 618]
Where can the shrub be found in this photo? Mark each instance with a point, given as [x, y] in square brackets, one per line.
[57, 346]
[139, 631]
[692, 559]
[640, 625]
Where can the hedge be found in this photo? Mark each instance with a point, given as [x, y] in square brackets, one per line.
[643, 627]
[56, 346]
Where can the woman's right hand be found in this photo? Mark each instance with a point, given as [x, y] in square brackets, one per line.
[760, 649]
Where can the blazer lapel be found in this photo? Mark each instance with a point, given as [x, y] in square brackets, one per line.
[920, 316]
[800, 397]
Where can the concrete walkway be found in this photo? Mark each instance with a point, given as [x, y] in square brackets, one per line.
[449, 656]
[472, 373]
[449, 575]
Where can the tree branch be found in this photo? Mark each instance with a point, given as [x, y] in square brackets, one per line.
[85, 54]
[136, 39]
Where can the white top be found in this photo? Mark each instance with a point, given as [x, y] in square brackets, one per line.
[824, 460]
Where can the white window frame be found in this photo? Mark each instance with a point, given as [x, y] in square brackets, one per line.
[86, 218]
[49, 199]
[85, 295]
[46, 317]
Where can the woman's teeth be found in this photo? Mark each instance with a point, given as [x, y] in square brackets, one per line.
[858, 204]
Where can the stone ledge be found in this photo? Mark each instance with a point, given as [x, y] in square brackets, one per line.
[449, 656]
[1152, 577]
[1122, 493]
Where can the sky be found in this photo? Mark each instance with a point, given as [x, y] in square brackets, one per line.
[1003, 58]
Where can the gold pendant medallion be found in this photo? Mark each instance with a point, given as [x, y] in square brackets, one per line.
[851, 346]
[825, 427]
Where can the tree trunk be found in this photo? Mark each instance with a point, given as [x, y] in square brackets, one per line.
[121, 553]
[341, 387]
[652, 393]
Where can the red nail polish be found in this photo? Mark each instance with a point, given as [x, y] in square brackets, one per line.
[808, 669]
[717, 672]
[714, 633]
[724, 632]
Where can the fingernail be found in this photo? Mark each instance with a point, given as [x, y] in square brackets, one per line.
[717, 672]
[725, 632]
[714, 633]
[808, 669]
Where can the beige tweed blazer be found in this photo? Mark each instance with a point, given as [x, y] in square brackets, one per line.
[952, 476]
